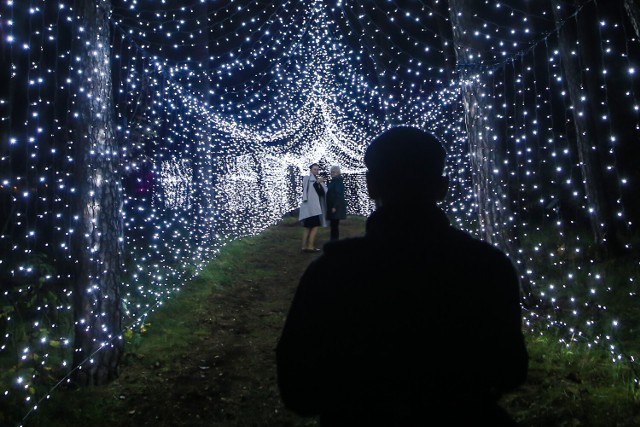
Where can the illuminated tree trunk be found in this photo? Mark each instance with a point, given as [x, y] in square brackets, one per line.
[579, 50]
[97, 239]
[633, 10]
[493, 210]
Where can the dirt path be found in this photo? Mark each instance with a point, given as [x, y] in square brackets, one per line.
[229, 377]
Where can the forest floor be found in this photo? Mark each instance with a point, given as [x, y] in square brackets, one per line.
[207, 357]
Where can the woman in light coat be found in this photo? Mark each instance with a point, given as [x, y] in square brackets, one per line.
[312, 208]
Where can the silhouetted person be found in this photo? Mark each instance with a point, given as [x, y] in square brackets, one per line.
[412, 323]
[336, 203]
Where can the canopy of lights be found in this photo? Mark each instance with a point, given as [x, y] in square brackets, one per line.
[219, 106]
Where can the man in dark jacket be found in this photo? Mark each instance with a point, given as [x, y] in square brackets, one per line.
[414, 322]
[336, 204]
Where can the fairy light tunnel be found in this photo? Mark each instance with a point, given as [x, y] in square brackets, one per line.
[220, 106]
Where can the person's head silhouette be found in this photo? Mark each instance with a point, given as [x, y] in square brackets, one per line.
[405, 165]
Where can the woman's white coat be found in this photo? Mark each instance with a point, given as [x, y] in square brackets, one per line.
[311, 204]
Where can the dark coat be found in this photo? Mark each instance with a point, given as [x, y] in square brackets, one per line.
[335, 198]
[414, 321]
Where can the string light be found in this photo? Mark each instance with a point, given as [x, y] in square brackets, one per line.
[222, 105]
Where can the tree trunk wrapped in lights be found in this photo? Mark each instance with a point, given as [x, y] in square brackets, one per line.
[98, 238]
[633, 10]
[580, 53]
[493, 210]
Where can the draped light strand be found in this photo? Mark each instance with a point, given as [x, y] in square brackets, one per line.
[221, 107]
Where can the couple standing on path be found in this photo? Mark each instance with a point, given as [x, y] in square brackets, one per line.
[416, 323]
[321, 202]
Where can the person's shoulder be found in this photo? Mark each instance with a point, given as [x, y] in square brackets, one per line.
[346, 256]
[349, 250]
[339, 255]
[474, 246]
[345, 246]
